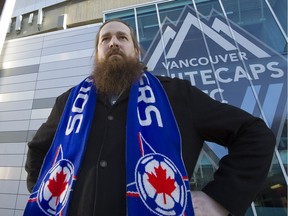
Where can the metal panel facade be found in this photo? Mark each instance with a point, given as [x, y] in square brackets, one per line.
[34, 71]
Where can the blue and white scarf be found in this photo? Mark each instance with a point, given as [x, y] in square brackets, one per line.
[157, 183]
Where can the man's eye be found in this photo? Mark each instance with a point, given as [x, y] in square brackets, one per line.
[123, 37]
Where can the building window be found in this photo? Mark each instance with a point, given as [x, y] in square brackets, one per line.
[226, 48]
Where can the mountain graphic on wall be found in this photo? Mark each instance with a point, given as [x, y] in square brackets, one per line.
[224, 61]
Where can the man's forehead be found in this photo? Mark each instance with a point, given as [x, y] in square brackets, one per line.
[115, 28]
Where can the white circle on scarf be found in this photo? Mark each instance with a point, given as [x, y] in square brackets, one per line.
[160, 185]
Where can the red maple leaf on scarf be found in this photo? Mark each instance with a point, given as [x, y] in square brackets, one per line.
[161, 183]
[58, 185]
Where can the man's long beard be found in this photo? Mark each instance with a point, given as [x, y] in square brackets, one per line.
[116, 73]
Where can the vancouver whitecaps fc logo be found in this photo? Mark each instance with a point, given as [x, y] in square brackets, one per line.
[55, 188]
[224, 60]
[160, 185]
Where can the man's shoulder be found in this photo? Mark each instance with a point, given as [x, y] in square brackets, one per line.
[167, 79]
[64, 96]
[173, 82]
[164, 78]
[179, 87]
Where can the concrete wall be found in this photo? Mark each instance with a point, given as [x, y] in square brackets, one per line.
[78, 13]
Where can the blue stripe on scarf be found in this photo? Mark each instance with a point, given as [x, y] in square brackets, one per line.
[157, 183]
[56, 180]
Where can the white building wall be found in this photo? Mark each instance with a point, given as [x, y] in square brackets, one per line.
[27, 6]
[33, 72]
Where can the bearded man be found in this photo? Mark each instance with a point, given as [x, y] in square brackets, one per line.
[124, 142]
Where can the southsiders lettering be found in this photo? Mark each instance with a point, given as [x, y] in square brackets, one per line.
[75, 119]
[146, 95]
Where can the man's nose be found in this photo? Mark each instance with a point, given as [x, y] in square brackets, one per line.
[113, 43]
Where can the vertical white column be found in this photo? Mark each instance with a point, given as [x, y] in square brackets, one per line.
[5, 19]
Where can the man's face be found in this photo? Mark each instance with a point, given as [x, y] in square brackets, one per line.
[115, 41]
[117, 65]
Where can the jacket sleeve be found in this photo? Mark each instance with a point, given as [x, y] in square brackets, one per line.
[250, 143]
[40, 144]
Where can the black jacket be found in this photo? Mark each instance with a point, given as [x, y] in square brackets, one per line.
[101, 187]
